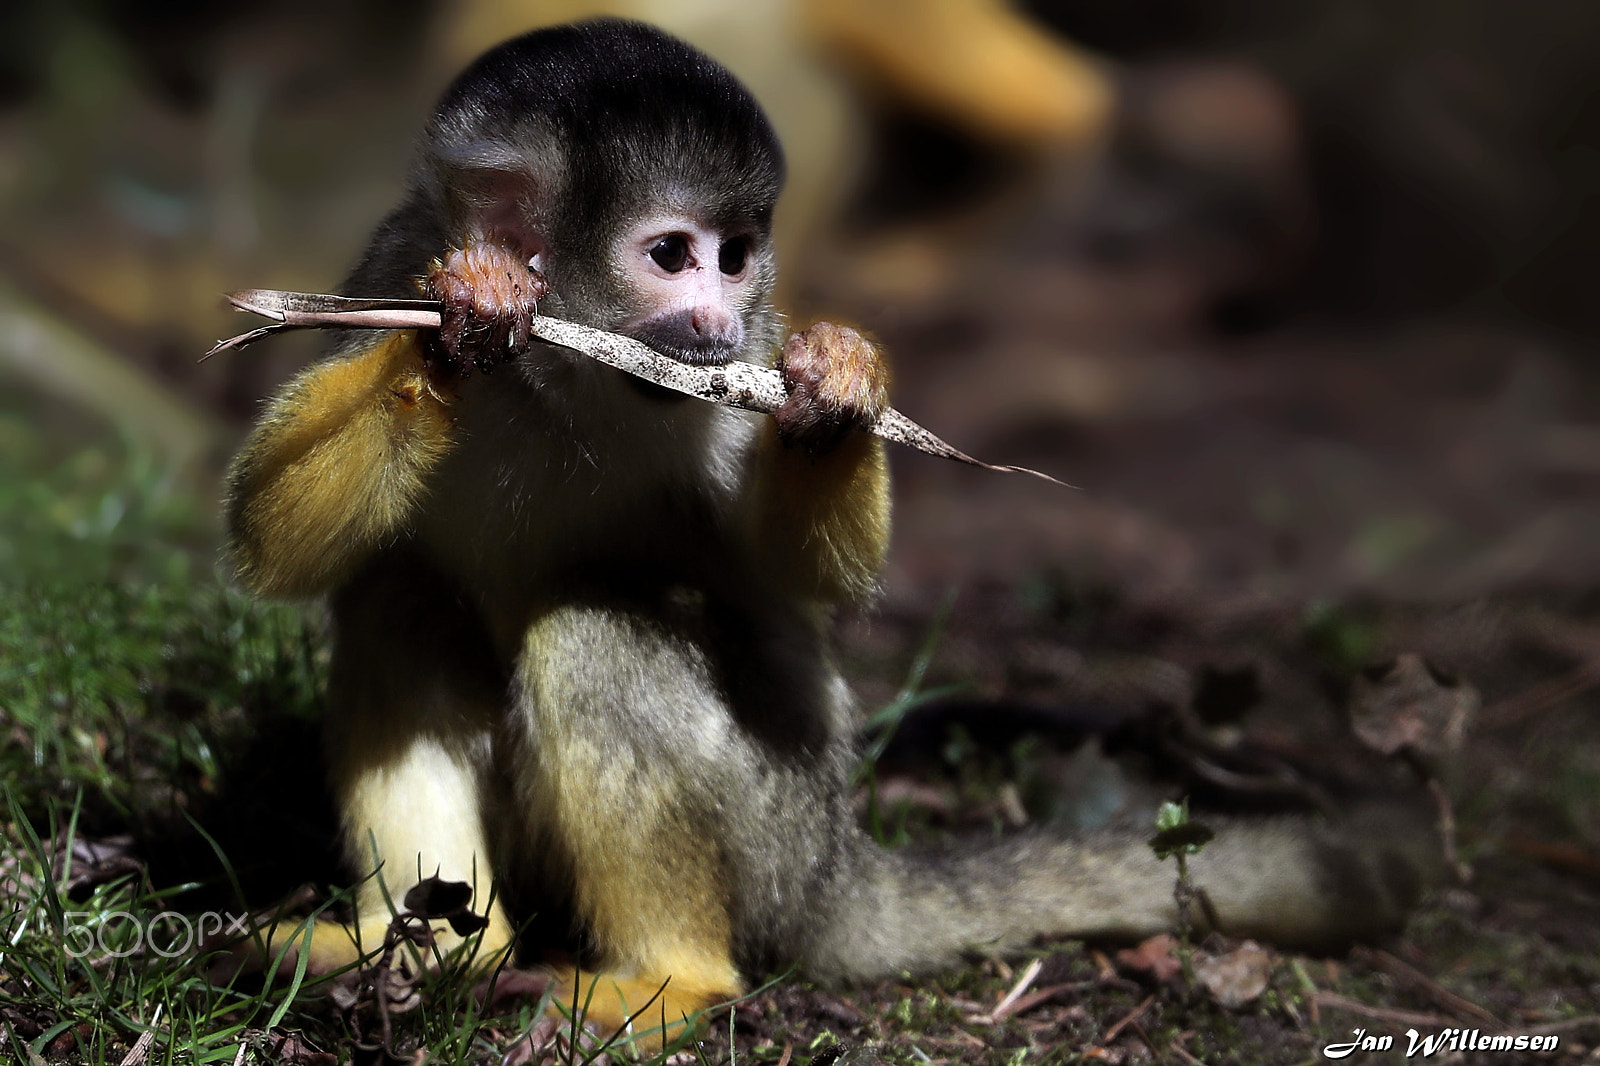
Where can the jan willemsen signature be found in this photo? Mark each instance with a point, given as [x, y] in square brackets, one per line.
[1451, 1040]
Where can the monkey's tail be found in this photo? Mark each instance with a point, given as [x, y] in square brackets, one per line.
[1292, 881]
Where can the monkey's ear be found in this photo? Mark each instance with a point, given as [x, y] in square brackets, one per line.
[495, 194]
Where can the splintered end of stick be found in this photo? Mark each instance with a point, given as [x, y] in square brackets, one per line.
[310, 310]
[1023, 470]
[268, 303]
[896, 427]
[962, 457]
[243, 339]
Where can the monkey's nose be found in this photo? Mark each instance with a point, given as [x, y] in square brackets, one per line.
[709, 321]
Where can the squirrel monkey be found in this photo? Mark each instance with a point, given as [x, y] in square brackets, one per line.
[580, 623]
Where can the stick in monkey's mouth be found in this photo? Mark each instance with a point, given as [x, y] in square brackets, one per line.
[736, 384]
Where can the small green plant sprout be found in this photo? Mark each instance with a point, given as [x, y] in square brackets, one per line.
[1177, 836]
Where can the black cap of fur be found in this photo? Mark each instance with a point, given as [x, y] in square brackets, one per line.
[618, 111]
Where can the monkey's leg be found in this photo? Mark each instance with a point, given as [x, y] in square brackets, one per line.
[413, 700]
[625, 753]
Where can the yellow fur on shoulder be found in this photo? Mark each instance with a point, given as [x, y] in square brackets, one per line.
[334, 468]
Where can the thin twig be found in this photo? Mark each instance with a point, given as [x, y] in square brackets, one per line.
[1334, 1001]
[1447, 831]
[1564, 1026]
[1182, 1052]
[1026, 1003]
[1513, 710]
[141, 1047]
[1030, 972]
[735, 384]
[1127, 1020]
[1441, 996]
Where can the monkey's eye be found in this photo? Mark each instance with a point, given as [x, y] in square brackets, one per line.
[671, 253]
[731, 257]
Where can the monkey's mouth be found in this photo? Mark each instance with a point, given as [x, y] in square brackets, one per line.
[721, 355]
[674, 341]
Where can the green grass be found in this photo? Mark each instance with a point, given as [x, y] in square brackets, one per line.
[142, 695]
[131, 675]
[123, 691]
[85, 978]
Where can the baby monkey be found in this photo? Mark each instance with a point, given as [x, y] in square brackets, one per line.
[579, 623]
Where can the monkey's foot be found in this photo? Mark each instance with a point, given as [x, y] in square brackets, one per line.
[332, 946]
[653, 1010]
[489, 295]
[836, 382]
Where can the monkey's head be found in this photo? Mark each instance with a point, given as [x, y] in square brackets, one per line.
[636, 173]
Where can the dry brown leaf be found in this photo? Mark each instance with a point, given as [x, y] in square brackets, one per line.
[1237, 977]
[1154, 957]
[509, 985]
[293, 1048]
[1411, 705]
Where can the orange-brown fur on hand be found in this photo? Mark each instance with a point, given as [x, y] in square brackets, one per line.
[489, 295]
[335, 467]
[836, 382]
[822, 483]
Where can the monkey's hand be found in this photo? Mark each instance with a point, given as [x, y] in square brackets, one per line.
[836, 383]
[489, 296]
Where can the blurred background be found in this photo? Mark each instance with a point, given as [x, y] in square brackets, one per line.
[1297, 295]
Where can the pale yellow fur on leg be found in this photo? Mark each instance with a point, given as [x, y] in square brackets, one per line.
[412, 815]
[651, 900]
[656, 1006]
[334, 945]
[647, 881]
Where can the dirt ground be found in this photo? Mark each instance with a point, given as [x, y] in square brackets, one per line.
[1255, 522]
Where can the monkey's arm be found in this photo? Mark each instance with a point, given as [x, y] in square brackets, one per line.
[342, 456]
[820, 498]
[335, 467]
